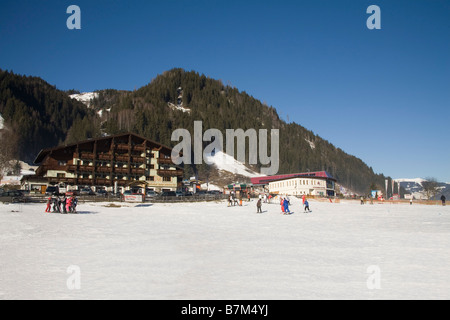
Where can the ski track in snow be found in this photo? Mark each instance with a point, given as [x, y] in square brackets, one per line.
[211, 251]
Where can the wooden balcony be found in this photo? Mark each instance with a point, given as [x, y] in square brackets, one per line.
[72, 168]
[102, 181]
[103, 169]
[169, 173]
[139, 147]
[121, 170]
[138, 159]
[85, 181]
[120, 182]
[85, 168]
[123, 158]
[61, 180]
[104, 156]
[165, 161]
[122, 146]
[138, 171]
[87, 155]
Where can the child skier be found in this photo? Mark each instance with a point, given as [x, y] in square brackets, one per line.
[306, 204]
[68, 205]
[282, 205]
[49, 204]
[258, 206]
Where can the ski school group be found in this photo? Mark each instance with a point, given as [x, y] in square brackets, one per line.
[284, 203]
[62, 205]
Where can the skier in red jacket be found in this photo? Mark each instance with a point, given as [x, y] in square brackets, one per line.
[49, 204]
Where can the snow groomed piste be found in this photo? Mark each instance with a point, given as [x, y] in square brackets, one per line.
[208, 251]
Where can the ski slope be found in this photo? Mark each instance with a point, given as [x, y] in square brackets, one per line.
[211, 251]
[225, 162]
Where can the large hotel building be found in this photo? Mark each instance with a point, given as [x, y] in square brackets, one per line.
[116, 162]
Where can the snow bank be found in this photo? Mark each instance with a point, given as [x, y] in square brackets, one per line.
[227, 163]
[211, 251]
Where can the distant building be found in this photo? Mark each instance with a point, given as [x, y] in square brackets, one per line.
[116, 162]
[319, 183]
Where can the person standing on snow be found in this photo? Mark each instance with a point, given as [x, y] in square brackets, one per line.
[49, 204]
[306, 204]
[64, 202]
[74, 204]
[286, 205]
[443, 200]
[258, 206]
[68, 205]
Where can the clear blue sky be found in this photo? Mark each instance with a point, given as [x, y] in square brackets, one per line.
[381, 95]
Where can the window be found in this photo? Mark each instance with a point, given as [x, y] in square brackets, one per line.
[167, 179]
[61, 175]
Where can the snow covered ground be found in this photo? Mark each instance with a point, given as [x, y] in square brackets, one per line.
[211, 251]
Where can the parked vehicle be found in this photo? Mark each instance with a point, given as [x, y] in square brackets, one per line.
[101, 193]
[150, 194]
[51, 190]
[214, 192]
[127, 193]
[13, 196]
[179, 193]
[168, 194]
[87, 192]
[62, 188]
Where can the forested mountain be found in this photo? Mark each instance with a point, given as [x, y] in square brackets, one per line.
[149, 112]
[44, 116]
[41, 116]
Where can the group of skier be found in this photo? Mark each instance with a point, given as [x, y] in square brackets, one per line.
[62, 205]
[284, 203]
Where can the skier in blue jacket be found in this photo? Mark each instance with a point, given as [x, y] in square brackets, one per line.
[286, 206]
[306, 204]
